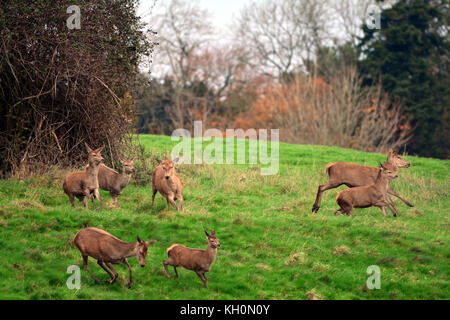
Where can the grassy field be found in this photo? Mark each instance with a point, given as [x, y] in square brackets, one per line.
[273, 247]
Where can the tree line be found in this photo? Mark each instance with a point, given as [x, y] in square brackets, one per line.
[313, 69]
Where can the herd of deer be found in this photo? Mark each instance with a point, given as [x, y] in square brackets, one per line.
[368, 186]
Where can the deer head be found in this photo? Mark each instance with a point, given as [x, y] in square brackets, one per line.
[212, 239]
[387, 172]
[395, 160]
[169, 168]
[142, 250]
[94, 155]
[128, 166]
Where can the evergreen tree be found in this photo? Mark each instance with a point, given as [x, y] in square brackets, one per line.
[410, 54]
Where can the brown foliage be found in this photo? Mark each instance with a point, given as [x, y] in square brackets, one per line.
[308, 110]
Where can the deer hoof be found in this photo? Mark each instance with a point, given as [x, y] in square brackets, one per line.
[129, 285]
[315, 209]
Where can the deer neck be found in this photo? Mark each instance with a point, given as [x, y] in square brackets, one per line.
[129, 249]
[382, 183]
[124, 179]
[211, 253]
[92, 171]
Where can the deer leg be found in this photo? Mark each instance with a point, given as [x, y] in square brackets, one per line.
[395, 194]
[130, 282]
[86, 266]
[102, 264]
[172, 202]
[115, 273]
[153, 196]
[392, 207]
[92, 199]
[71, 199]
[345, 206]
[322, 188]
[201, 275]
[338, 212]
[181, 203]
[383, 209]
[165, 263]
[97, 195]
[176, 273]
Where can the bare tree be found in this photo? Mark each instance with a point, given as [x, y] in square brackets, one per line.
[281, 36]
[201, 72]
[184, 29]
[348, 16]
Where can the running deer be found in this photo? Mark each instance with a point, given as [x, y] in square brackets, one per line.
[356, 175]
[115, 182]
[197, 260]
[166, 181]
[85, 183]
[368, 196]
[109, 250]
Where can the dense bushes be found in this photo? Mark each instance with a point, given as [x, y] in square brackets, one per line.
[60, 87]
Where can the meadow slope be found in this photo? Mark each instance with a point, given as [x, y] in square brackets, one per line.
[273, 247]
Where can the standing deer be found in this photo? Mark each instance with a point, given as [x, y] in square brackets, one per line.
[85, 183]
[356, 175]
[113, 181]
[197, 260]
[109, 250]
[166, 181]
[368, 196]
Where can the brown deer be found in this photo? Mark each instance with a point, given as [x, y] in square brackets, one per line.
[356, 175]
[85, 183]
[197, 260]
[109, 250]
[166, 181]
[115, 182]
[368, 196]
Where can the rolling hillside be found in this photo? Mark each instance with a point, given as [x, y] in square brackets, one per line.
[273, 247]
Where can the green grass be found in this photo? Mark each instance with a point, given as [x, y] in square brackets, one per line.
[273, 247]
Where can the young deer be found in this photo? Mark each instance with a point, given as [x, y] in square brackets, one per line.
[356, 175]
[113, 181]
[368, 196]
[85, 183]
[166, 181]
[109, 250]
[193, 259]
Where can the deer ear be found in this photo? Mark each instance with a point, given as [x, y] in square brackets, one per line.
[150, 242]
[206, 232]
[99, 149]
[139, 239]
[213, 233]
[158, 160]
[88, 148]
[132, 159]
